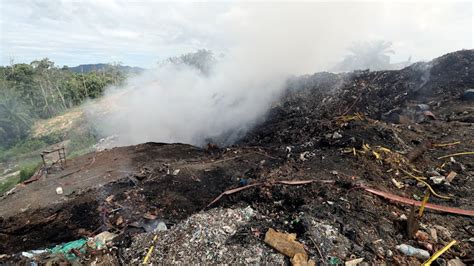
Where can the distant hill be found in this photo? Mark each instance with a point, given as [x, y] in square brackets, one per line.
[100, 67]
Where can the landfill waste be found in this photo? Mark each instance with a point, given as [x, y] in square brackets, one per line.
[455, 262]
[284, 243]
[101, 240]
[32, 253]
[59, 190]
[321, 164]
[334, 261]
[287, 245]
[438, 253]
[155, 226]
[450, 177]
[438, 179]
[468, 95]
[412, 251]
[212, 236]
[353, 262]
[67, 248]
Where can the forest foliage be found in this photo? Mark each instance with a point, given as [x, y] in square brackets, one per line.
[42, 90]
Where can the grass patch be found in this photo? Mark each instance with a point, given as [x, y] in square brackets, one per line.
[28, 171]
[23, 148]
[81, 143]
[8, 183]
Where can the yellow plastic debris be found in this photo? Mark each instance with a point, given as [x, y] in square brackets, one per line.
[423, 203]
[377, 155]
[446, 144]
[457, 154]
[438, 253]
[385, 149]
[150, 250]
[427, 185]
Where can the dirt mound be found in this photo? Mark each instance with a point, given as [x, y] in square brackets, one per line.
[304, 170]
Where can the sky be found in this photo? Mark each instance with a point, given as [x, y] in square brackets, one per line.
[141, 33]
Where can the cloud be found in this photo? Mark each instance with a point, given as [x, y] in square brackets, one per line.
[153, 30]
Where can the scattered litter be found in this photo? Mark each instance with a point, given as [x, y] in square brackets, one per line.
[202, 239]
[433, 234]
[59, 190]
[438, 179]
[306, 155]
[149, 216]
[354, 262]
[397, 183]
[176, 172]
[283, 242]
[32, 253]
[67, 248]
[468, 95]
[101, 240]
[422, 236]
[438, 253]
[155, 226]
[455, 262]
[451, 176]
[443, 232]
[457, 154]
[412, 251]
[336, 135]
[439, 145]
[286, 244]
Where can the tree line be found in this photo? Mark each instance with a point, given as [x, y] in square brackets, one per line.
[42, 90]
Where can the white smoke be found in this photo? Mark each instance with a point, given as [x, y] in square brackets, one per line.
[266, 42]
[180, 104]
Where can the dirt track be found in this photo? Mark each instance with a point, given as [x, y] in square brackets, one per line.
[319, 131]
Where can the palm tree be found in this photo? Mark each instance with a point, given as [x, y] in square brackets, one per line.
[367, 55]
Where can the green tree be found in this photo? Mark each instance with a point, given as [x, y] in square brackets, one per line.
[15, 119]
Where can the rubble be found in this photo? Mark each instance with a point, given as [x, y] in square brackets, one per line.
[341, 160]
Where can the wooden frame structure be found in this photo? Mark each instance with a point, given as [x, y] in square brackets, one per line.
[61, 161]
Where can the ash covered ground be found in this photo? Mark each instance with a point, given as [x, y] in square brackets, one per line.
[347, 132]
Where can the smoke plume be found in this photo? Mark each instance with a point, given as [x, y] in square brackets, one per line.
[265, 43]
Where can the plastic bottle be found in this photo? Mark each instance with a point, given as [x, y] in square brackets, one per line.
[412, 251]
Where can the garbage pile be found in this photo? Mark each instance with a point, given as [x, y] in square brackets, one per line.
[354, 168]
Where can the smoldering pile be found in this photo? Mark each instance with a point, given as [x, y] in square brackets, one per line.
[333, 162]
